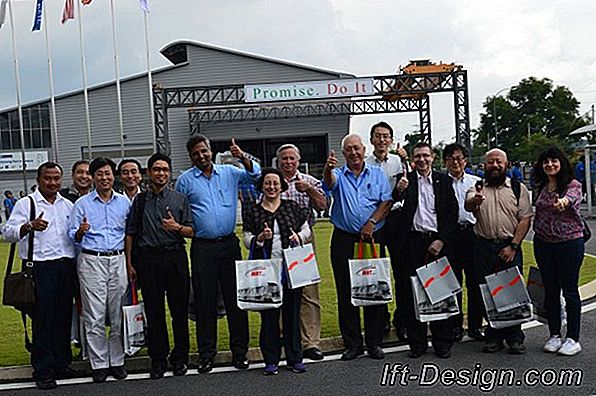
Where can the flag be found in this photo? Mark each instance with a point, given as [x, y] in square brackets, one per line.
[2, 12]
[68, 12]
[38, 12]
[144, 5]
[86, 2]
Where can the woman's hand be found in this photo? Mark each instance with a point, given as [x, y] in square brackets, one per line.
[266, 234]
[561, 204]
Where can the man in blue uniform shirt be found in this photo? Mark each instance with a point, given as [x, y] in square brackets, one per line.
[212, 192]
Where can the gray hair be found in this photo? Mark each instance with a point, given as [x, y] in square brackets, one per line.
[286, 147]
[349, 136]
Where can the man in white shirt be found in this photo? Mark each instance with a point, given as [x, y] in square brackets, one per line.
[53, 270]
[381, 137]
[461, 258]
[131, 176]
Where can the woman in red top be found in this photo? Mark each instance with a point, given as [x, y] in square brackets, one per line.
[559, 245]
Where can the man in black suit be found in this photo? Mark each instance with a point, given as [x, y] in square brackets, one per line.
[427, 224]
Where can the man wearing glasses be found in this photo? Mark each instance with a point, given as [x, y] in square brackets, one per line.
[455, 156]
[381, 137]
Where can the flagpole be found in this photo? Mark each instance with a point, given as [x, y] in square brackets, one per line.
[54, 124]
[150, 81]
[19, 106]
[117, 73]
[84, 72]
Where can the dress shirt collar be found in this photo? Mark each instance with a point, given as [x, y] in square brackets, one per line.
[378, 160]
[95, 196]
[199, 173]
[295, 177]
[38, 197]
[347, 170]
[460, 179]
[429, 177]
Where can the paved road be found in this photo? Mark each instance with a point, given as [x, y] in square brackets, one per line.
[363, 376]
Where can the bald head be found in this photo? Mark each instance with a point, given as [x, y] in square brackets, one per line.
[496, 167]
[495, 153]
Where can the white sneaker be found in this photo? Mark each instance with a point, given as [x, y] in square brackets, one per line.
[553, 344]
[570, 347]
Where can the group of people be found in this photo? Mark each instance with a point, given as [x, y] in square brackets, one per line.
[90, 241]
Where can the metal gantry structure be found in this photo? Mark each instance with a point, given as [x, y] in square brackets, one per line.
[393, 94]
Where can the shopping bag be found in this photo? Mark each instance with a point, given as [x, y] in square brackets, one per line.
[301, 265]
[438, 280]
[500, 320]
[426, 311]
[370, 279]
[537, 295]
[366, 250]
[134, 323]
[507, 289]
[258, 282]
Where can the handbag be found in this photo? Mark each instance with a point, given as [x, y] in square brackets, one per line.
[134, 322]
[301, 265]
[19, 288]
[370, 277]
[426, 311]
[438, 280]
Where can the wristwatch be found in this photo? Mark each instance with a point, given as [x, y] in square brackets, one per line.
[513, 245]
[29, 227]
[373, 221]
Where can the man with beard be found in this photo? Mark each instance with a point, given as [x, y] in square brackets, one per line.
[129, 171]
[159, 221]
[426, 229]
[361, 201]
[53, 270]
[212, 192]
[308, 193]
[502, 221]
[81, 181]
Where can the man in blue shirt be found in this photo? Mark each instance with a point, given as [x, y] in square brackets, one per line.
[361, 201]
[212, 192]
[98, 224]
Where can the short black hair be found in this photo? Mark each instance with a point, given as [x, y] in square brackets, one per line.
[76, 165]
[381, 124]
[129, 161]
[196, 139]
[268, 171]
[48, 165]
[452, 148]
[158, 157]
[100, 162]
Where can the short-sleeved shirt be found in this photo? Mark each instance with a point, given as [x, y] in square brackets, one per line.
[302, 198]
[391, 165]
[355, 199]
[461, 187]
[213, 201]
[498, 216]
[156, 209]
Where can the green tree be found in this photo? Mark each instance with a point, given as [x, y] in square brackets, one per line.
[534, 106]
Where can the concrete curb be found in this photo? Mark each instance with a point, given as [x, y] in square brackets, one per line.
[224, 358]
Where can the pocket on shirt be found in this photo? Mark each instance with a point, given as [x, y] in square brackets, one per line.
[227, 197]
[372, 192]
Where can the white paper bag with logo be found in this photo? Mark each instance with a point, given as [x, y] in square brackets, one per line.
[438, 280]
[537, 295]
[301, 265]
[426, 311]
[370, 279]
[508, 289]
[501, 320]
[135, 324]
[258, 283]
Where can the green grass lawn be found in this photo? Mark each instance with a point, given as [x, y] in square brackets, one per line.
[12, 351]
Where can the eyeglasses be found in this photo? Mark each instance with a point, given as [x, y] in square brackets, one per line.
[382, 136]
[453, 159]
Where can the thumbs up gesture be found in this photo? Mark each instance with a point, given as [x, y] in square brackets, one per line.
[83, 228]
[169, 223]
[302, 185]
[235, 149]
[294, 238]
[402, 184]
[332, 160]
[266, 234]
[39, 224]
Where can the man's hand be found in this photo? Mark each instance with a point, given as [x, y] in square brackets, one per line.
[302, 185]
[507, 254]
[39, 224]
[332, 161]
[366, 233]
[132, 274]
[235, 149]
[403, 154]
[83, 228]
[402, 184]
[169, 222]
[434, 249]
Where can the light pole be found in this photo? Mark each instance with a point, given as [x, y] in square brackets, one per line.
[495, 117]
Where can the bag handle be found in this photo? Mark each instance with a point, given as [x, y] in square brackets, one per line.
[10, 259]
[360, 249]
[133, 292]
[29, 262]
[253, 246]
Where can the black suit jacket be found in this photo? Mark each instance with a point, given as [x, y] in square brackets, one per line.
[445, 204]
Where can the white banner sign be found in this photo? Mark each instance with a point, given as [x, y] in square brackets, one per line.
[13, 161]
[308, 90]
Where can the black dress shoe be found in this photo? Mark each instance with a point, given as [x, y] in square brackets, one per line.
[402, 334]
[387, 328]
[352, 353]
[376, 353]
[68, 372]
[443, 354]
[241, 364]
[476, 334]
[313, 354]
[100, 375]
[516, 348]
[180, 369]
[458, 334]
[492, 346]
[119, 372]
[205, 365]
[414, 354]
[157, 370]
[47, 383]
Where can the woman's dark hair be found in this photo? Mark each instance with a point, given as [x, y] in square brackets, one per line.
[564, 176]
[268, 171]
